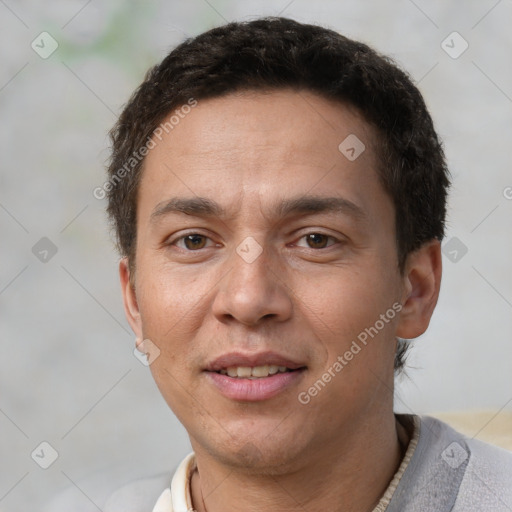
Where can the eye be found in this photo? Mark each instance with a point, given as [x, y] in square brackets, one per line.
[317, 240]
[191, 242]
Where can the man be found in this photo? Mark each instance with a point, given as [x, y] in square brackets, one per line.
[278, 193]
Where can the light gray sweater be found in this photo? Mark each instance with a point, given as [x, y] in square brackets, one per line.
[450, 473]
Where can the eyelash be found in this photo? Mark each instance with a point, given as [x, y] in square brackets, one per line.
[182, 237]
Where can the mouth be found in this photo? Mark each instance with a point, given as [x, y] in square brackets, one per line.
[255, 372]
[254, 377]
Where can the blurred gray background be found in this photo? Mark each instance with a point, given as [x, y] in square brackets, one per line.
[68, 376]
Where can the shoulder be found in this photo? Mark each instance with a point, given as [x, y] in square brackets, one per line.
[486, 483]
[159, 493]
[489, 458]
[138, 496]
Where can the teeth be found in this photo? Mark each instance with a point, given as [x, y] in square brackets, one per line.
[247, 372]
[260, 371]
[243, 371]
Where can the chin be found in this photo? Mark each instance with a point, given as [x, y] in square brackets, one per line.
[251, 459]
[256, 451]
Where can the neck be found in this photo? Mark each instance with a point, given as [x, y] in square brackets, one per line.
[352, 474]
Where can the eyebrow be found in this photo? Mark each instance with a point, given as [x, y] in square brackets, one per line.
[204, 207]
[197, 206]
[318, 204]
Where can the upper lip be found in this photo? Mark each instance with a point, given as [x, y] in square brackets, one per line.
[260, 359]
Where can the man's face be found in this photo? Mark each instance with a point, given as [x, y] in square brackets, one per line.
[260, 244]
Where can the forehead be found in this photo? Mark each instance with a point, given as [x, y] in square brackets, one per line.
[267, 145]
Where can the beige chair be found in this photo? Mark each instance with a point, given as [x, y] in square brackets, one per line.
[493, 427]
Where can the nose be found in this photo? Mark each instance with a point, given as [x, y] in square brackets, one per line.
[253, 291]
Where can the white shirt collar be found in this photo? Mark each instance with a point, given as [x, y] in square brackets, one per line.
[177, 498]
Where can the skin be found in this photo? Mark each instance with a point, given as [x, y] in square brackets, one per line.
[304, 297]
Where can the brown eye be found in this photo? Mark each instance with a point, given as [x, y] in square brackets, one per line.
[194, 241]
[317, 240]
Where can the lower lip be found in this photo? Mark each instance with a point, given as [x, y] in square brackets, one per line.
[254, 390]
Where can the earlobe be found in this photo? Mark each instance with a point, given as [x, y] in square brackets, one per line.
[422, 281]
[131, 307]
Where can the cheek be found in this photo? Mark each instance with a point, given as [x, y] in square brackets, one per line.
[170, 301]
[179, 394]
[171, 313]
[345, 307]
[340, 302]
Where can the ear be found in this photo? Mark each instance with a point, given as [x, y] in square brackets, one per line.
[131, 308]
[422, 281]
